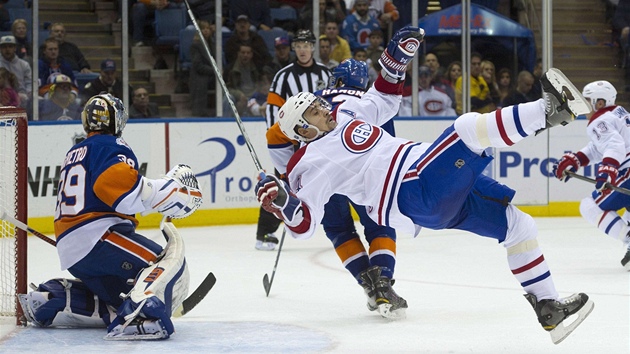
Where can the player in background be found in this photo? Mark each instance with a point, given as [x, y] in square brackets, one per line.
[609, 146]
[439, 185]
[304, 74]
[349, 82]
[99, 192]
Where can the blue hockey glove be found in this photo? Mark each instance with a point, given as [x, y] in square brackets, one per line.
[400, 51]
[607, 173]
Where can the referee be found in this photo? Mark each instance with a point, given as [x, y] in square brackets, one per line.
[304, 74]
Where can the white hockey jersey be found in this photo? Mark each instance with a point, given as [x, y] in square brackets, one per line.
[432, 102]
[359, 160]
[609, 134]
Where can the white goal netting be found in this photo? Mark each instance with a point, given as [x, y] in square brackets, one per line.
[12, 202]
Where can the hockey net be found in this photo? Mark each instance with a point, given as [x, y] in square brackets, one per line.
[13, 201]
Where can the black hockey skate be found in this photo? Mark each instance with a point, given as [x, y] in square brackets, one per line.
[552, 313]
[563, 100]
[625, 261]
[385, 299]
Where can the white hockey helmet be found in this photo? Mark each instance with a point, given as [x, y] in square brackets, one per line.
[291, 115]
[600, 90]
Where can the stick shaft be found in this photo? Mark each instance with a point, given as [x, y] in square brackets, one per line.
[275, 266]
[23, 226]
[584, 178]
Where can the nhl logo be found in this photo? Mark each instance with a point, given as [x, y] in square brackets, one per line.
[459, 163]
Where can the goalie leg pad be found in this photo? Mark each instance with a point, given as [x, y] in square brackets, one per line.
[159, 289]
[64, 303]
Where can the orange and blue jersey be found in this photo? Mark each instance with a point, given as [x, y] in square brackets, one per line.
[99, 187]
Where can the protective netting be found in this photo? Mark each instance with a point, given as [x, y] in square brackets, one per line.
[12, 202]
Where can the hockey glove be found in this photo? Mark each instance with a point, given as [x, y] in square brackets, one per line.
[607, 173]
[400, 51]
[274, 196]
[568, 162]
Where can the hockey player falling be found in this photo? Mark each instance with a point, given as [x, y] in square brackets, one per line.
[99, 192]
[437, 185]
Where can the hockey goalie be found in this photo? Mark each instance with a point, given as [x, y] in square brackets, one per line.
[124, 280]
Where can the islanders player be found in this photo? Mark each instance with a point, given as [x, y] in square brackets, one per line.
[99, 192]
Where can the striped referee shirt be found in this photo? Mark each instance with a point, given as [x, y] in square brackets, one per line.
[291, 80]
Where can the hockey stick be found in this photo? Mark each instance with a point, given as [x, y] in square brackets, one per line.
[266, 282]
[248, 142]
[22, 226]
[608, 185]
[196, 297]
[187, 305]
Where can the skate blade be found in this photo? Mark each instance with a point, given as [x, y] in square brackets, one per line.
[576, 102]
[127, 337]
[386, 312]
[561, 331]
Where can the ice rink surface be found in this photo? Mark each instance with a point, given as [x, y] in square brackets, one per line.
[462, 298]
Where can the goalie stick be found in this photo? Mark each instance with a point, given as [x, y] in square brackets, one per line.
[187, 305]
[608, 185]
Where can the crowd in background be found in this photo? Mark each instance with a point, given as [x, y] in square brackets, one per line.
[349, 29]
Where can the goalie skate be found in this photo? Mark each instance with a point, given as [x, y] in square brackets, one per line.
[625, 261]
[553, 313]
[138, 329]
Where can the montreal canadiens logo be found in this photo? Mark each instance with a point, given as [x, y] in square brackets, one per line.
[359, 137]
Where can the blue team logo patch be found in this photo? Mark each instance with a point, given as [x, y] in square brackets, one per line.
[359, 137]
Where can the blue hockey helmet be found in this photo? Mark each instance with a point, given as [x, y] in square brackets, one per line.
[352, 73]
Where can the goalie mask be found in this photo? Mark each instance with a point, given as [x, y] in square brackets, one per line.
[104, 113]
[291, 115]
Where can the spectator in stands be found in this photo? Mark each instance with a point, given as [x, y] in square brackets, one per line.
[505, 84]
[453, 72]
[141, 107]
[479, 91]
[432, 101]
[621, 24]
[5, 19]
[107, 81]
[360, 54]
[243, 35]
[329, 11]
[20, 68]
[283, 55]
[143, 13]
[8, 86]
[257, 11]
[69, 51]
[61, 103]
[204, 9]
[324, 54]
[339, 47]
[382, 10]
[201, 72]
[50, 65]
[488, 73]
[358, 25]
[538, 72]
[375, 48]
[437, 76]
[24, 48]
[522, 93]
[243, 74]
[257, 103]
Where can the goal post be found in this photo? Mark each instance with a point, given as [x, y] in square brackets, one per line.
[14, 201]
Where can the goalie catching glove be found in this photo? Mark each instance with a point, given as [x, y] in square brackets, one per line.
[399, 52]
[176, 195]
[274, 196]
